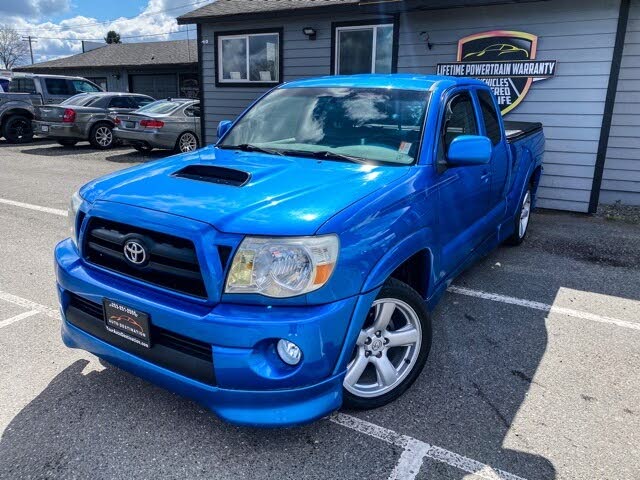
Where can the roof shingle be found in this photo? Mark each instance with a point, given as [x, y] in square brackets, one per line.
[143, 54]
[223, 8]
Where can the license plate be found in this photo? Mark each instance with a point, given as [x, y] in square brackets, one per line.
[129, 124]
[126, 322]
[44, 128]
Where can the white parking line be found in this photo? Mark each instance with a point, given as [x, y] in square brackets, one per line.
[54, 211]
[23, 302]
[495, 297]
[416, 450]
[16, 318]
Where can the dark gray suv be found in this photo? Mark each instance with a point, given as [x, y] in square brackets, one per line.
[87, 116]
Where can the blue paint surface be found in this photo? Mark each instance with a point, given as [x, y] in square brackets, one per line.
[383, 215]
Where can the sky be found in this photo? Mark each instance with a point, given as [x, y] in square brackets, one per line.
[58, 26]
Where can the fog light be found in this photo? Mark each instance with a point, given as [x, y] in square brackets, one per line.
[289, 352]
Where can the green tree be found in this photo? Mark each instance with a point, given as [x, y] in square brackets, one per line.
[112, 37]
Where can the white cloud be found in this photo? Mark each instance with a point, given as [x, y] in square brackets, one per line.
[33, 8]
[60, 39]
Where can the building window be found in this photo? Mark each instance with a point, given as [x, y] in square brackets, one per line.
[364, 49]
[249, 58]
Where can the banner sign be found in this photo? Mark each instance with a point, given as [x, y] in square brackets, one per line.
[504, 60]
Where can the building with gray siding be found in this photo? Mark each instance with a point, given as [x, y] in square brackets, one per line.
[157, 69]
[591, 121]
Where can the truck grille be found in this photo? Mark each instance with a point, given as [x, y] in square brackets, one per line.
[170, 262]
[170, 350]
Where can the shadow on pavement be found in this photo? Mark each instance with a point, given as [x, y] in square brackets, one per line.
[133, 156]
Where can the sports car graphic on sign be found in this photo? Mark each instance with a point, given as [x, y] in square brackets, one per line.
[500, 49]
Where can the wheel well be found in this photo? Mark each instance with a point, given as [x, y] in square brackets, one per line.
[15, 111]
[535, 177]
[415, 272]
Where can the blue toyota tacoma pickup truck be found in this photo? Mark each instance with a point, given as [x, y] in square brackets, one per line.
[291, 267]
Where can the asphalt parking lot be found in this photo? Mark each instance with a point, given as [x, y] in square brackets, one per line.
[533, 372]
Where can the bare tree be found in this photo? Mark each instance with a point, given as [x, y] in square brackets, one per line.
[12, 48]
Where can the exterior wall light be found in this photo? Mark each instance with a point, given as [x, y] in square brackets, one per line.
[309, 32]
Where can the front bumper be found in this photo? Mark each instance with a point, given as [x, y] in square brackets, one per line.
[58, 130]
[251, 385]
[153, 138]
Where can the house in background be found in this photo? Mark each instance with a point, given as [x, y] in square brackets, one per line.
[589, 107]
[158, 69]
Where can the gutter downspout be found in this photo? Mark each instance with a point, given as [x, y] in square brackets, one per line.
[612, 88]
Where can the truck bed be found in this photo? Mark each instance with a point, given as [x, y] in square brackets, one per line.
[517, 130]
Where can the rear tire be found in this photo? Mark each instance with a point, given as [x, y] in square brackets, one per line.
[391, 349]
[18, 129]
[101, 136]
[521, 220]
[187, 142]
[67, 142]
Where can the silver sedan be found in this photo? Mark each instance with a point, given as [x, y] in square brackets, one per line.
[173, 124]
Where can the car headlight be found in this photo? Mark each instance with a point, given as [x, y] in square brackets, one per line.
[282, 267]
[74, 206]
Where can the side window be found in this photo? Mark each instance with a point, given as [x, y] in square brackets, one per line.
[81, 86]
[142, 101]
[22, 85]
[121, 102]
[459, 119]
[490, 117]
[193, 111]
[57, 86]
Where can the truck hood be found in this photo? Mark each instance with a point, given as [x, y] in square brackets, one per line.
[268, 194]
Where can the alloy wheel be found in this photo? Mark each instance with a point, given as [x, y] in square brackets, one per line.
[104, 136]
[525, 213]
[386, 350]
[188, 142]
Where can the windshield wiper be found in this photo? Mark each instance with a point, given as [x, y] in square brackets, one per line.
[329, 155]
[248, 147]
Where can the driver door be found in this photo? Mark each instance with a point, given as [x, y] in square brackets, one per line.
[463, 191]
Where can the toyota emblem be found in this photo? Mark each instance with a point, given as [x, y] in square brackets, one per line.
[135, 252]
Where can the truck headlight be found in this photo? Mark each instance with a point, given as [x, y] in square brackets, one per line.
[282, 267]
[74, 206]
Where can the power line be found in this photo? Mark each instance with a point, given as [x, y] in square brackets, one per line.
[122, 37]
[106, 22]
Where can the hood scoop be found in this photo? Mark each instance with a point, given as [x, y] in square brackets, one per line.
[214, 174]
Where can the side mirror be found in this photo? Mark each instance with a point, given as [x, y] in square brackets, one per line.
[223, 127]
[469, 150]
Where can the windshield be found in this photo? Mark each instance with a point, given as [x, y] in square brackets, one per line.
[374, 124]
[160, 107]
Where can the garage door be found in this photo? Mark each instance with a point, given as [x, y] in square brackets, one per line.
[156, 86]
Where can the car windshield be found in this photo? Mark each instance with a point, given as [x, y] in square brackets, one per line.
[80, 100]
[348, 124]
[160, 107]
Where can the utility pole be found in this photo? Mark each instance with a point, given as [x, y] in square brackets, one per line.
[29, 39]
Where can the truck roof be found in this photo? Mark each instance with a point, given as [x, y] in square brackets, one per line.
[394, 80]
[44, 75]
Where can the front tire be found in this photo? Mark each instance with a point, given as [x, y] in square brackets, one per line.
[18, 129]
[521, 221]
[101, 136]
[67, 142]
[391, 349]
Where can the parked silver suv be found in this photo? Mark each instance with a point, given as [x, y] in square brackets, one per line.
[27, 90]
